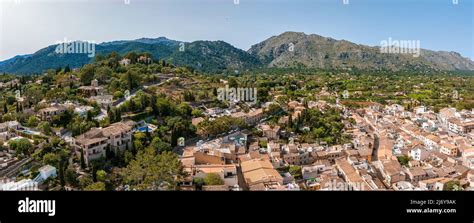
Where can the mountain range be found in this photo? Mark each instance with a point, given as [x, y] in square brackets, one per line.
[289, 49]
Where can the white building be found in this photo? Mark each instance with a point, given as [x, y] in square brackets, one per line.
[103, 101]
[47, 172]
[23, 185]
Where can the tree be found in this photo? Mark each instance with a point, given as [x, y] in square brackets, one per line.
[131, 79]
[71, 177]
[199, 182]
[98, 186]
[295, 171]
[188, 96]
[32, 121]
[83, 163]
[87, 74]
[127, 157]
[453, 185]
[213, 179]
[62, 179]
[51, 159]
[115, 115]
[117, 94]
[18, 108]
[89, 116]
[85, 181]
[152, 171]
[138, 144]
[21, 146]
[159, 145]
[132, 56]
[45, 127]
[403, 160]
[163, 106]
[290, 122]
[103, 74]
[197, 113]
[233, 83]
[184, 109]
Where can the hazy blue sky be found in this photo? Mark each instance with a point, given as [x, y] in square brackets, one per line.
[29, 25]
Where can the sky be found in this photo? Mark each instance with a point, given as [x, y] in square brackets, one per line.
[29, 25]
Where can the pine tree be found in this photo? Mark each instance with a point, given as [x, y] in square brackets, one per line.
[118, 115]
[174, 137]
[94, 172]
[83, 163]
[61, 174]
[89, 116]
[290, 121]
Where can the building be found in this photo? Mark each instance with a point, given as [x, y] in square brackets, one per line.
[198, 163]
[144, 59]
[10, 125]
[104, 101]
[83, 110]
[314, 170]
[385, 150]
[208, 156]
[419, 154]
[416, 174]
[445, 114]
[22, 185]
[390, 171]
[459, 126]
[271, 132]
[228, 173]
[259, 174]
[125, 62]
[47, 171]
[351, 176]
[254, 116]
[48, 113]
[470, 178]
[430, 140]
[7, 130]
[93, 90]
[95, 142]
[468, 158]
[292, 158]
[273, 147]
[435, 184]
[449, 149]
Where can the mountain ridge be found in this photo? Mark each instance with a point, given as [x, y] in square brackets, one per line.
[312, 50]
[289, 49]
